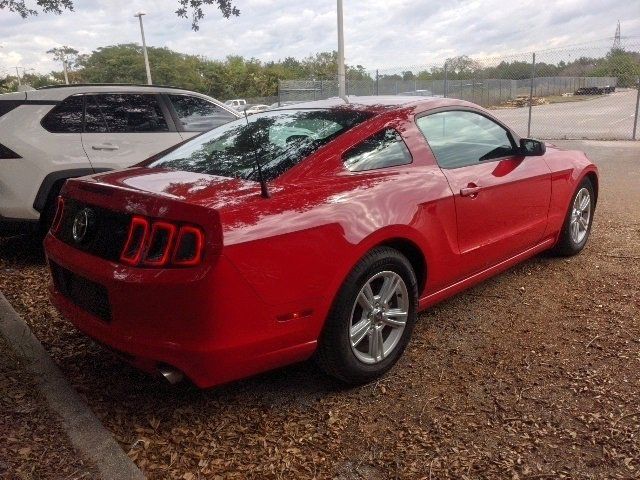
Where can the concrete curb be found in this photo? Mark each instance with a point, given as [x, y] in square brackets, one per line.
[86, 432]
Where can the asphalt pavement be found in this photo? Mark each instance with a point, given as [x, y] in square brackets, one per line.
[609, 117]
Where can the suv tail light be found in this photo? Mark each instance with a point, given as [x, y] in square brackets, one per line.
[57, 218]
[159, 243]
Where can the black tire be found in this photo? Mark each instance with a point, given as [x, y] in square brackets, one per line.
[335, 355]
[567, 245]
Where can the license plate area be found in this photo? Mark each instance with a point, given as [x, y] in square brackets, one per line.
[86, 294]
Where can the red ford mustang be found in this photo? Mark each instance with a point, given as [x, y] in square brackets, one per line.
[314, 230]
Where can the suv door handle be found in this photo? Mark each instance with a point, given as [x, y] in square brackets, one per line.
[471, 190]
[105, 146]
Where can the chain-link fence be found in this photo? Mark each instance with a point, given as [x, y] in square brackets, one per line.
[575, 92]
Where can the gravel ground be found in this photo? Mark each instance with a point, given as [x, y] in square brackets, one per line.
[533, 374]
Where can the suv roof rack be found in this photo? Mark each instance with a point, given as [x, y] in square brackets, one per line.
[47, 87]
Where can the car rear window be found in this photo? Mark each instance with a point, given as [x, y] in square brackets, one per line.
[278, 139]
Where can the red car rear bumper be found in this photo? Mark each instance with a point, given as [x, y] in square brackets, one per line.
[207, 322]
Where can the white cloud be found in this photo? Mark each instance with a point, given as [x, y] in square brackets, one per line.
[379, 33]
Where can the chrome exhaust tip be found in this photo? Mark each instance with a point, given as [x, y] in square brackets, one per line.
[171, 374]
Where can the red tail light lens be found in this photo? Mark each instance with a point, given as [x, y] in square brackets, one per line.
[134, 246]
[156, 244]
[159, 251]
[188, 249]
[55, 225]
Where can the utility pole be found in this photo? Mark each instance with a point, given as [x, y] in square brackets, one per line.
[18, 75]
[64, 68]
[144, 47]
[341, 69]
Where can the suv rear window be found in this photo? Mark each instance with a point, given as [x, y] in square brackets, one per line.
[278, 139]
[124, 113]
[66, 117]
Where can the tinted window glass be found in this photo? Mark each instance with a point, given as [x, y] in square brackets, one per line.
[124, 113]
[66, 117]
[278, 140]
[459, 138]
[385, 149]
[199, 115]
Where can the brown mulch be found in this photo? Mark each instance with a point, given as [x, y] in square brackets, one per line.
[533, 374]
[33, 445]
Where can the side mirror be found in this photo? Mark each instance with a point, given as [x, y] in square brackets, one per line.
[532, 148]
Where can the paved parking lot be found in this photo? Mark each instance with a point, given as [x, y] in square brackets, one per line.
[607, 117]
[533, 374]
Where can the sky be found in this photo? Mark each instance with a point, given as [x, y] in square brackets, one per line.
[378, 33]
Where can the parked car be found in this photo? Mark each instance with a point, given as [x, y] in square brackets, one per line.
[258, 244]
[238, 104]
[52, 134]
[419, 93]
[257, 109]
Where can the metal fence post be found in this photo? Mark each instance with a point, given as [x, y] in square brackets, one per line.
[279, 88]
[446, 85]
[533, 75]
[635, 118]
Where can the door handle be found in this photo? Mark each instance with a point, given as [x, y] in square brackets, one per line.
[105, 146]
[470, 190]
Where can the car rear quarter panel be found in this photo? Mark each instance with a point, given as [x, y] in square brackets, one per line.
[302, 242]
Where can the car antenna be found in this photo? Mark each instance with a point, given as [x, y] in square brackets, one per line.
[264, 191]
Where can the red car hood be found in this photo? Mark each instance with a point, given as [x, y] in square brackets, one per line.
[195, 188]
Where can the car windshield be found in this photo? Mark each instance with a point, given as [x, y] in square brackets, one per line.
[277, 139]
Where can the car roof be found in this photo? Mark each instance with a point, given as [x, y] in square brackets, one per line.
[379, 103]
[60, 92]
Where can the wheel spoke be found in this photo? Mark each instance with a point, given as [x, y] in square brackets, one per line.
[389, 287]
[365, 299]
[359, 331]
[395, 318]
[574, 231]
[376, 344]
[583, 222]
[584, 202]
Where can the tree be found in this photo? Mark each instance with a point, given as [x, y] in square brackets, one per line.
[64, 54]
[621, 64]
[186, 8]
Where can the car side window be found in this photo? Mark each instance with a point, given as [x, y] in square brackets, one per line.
[462, 138]
[197, 114]
[124, 113]
[66, 117]
[382, 150]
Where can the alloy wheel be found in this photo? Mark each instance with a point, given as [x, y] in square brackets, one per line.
[378, 317]
[580, 216]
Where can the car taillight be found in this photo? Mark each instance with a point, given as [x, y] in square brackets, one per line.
[161, 243]
[188, 249]
[134, 246]
[57, 218]
[159, 250]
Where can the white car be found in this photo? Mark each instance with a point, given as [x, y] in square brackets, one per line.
[257, 109]
[55, 133]
[238, 103]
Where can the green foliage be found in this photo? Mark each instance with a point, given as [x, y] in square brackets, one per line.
[622, 64]
[235, 77]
